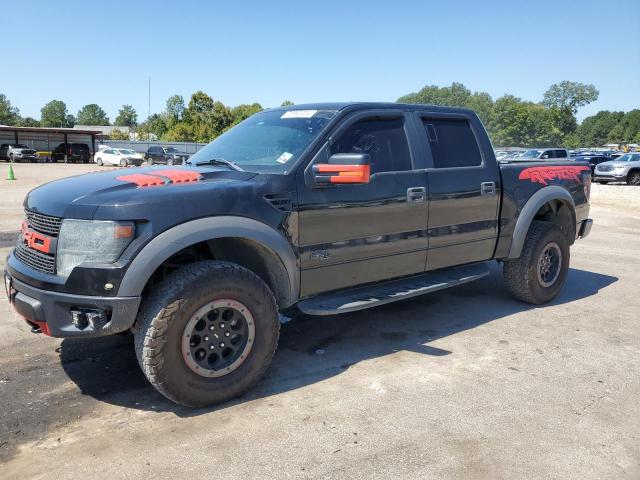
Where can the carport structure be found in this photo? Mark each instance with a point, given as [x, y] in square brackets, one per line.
[46, 139]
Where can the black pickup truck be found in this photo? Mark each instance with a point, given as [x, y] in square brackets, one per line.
[327, 208]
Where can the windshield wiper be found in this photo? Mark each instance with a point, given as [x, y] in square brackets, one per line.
[219, 161]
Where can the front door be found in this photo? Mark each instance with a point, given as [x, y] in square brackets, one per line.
[354, 234]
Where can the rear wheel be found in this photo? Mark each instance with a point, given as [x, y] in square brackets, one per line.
[540, 272]
[169, 161]
[207, 333]
[633, 178]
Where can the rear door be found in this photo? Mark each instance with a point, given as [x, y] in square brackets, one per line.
[351, 234]
[464, 190]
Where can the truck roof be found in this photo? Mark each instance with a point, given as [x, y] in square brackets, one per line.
[369, 105]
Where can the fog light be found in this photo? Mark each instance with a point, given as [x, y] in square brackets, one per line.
[94, 318]
[79, 319]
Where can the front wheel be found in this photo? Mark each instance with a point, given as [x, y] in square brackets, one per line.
[207, 334]
[123, 163]
[99, 161]
[170, 161]
[538, 275]
[633, 178]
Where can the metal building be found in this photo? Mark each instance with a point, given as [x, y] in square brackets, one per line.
[44, 140]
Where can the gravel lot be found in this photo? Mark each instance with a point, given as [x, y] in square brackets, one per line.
[463, 383]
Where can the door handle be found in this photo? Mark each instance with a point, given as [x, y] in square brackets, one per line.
[488, 188]
[416, 194]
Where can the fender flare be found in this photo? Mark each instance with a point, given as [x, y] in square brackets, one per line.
[529, 210]
[173, 240]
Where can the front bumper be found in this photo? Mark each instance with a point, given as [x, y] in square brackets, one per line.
[52, 312]
[602, 177]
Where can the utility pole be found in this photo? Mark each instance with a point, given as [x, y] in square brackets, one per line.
[149, 115]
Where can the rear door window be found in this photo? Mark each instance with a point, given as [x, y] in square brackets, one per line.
[452, 143]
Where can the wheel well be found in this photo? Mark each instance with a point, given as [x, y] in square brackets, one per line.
[244, 252]
[560, 213]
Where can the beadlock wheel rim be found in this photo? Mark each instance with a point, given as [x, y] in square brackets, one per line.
[549, 264]
[218, 338]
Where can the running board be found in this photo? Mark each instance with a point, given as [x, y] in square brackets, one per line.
[374, 295]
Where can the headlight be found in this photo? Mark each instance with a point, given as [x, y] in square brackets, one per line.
[91, 241]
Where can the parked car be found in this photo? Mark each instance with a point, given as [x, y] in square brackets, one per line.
[625, 168]
[165, 155]
[18, 152]
[75, 152]
[544, 154]
[118, 156]
[593, 160]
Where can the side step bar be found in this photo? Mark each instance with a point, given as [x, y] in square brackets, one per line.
[361, 298]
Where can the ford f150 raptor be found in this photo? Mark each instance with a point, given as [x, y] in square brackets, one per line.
[328, 208]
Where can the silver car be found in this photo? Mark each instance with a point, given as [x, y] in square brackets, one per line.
[623, 169]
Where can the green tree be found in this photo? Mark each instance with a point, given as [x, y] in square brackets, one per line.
[456, 95]
[570, 96]
[117, 134]
[286, 103]
[519, 123]
[54, 114]
[127, 117]
[243, 111]
[564, 99]
[175, 108]
[155, 124]
[92, 114]
[28, 122]
[631, 126]
[206, 117]
[179, 132]
[9, 115]
[595, 130]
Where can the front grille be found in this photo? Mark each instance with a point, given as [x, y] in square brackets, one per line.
[44, 223]
[36, 260]
[605, 168]
[47, 225]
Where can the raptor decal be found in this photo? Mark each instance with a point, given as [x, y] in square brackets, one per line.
[544, 174]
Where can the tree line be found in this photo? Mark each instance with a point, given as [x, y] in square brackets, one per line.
[510, 121]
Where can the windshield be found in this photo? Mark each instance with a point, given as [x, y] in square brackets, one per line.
[531, 154]
[629, 157]
[171, 150]
[125, 151]
[269, 141]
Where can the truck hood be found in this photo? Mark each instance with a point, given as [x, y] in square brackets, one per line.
[125, 191]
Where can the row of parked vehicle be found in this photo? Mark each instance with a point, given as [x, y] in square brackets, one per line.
[81, 153]
[606, 166]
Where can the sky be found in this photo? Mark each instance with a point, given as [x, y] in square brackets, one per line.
[268, 51]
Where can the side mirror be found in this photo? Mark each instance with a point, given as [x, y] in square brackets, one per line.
[343, 168]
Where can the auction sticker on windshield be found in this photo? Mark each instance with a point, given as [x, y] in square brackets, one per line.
[299, 114]
[284, 158]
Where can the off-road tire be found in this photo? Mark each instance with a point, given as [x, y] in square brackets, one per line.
[520, 274]
[165, 313]
[633, 178]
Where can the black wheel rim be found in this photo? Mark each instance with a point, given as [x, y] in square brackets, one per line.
[218, 338]
[549, 264]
